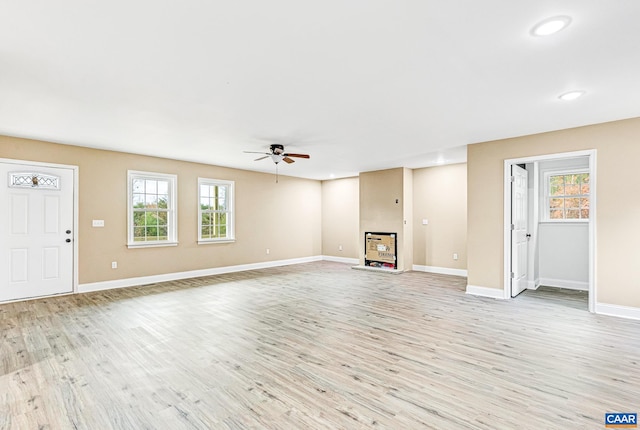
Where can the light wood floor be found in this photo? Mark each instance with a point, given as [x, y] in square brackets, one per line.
[313, 346]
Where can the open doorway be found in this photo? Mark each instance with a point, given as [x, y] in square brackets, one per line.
[549, 224]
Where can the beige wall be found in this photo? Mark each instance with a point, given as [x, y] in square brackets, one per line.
[407, 211]
[440, 196]
[341, 218]
[382, 208]
[285, 217]
[618, 153]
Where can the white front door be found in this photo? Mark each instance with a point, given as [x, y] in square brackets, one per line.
[36, 231]
[519, 236]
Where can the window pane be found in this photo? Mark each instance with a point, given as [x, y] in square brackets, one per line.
[584, 213]
[206, 219]
[151, 186]
[556, 203]
[138, 200]
[556, 214]
[573, 213]
[571, 203]
[571, 179]
[584, 203]
[206, 232]
[138, 219]
[556, 185]
[162, 233]
[571, 189]
[138, 233]
[152, 218]
[152, 233]
[163, 187]
[585, 188]
[151, 200]
[138, 185]
[163, 200]
[162, 218]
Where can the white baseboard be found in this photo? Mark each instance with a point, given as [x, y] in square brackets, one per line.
[618, 311]
[533, 285]
[341, 259]
[494, 293]
[143, 280]
[563, 283]
[440, 270]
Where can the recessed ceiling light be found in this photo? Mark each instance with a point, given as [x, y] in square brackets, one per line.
[551, 25]
[571, 95]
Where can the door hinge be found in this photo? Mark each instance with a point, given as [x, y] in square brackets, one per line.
[512, 179]
[513, 227]
[512, 275]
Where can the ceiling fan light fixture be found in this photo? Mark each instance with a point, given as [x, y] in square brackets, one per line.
[571, 95]
[551, 26]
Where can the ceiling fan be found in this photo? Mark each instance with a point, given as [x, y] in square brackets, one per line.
[277, 154]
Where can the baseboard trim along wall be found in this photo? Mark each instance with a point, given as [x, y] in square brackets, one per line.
[493, 293]
[345, 260]
[618, 311]
[440, 270]
[143, 280]
[562, 283]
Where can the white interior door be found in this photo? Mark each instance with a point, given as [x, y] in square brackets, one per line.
[36, 231]
[519, 239]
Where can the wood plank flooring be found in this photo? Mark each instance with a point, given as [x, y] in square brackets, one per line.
[313, 346]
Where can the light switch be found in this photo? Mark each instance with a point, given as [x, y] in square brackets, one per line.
[425, 221]
[98, 223]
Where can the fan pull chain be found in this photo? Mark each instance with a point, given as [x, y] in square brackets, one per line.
[276, 173]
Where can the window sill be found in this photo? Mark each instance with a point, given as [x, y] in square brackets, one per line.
[214, 241]
[150, 244]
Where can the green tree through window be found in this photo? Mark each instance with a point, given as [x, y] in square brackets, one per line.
[151, 208]
[216, 210]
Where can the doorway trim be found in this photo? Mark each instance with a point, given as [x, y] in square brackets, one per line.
[591, 153]
[76, 205]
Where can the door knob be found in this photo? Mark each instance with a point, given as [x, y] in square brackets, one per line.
[68, 231]
[68, 240]
[528, 235]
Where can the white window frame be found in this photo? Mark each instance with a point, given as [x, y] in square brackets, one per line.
[172, 215]
[231, 237]
[546, 209]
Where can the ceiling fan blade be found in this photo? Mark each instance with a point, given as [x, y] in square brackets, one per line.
[296, 155]
[261, 158]
[288, 160]
[254, 152]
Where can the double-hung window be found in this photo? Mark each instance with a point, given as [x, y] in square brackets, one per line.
[152, 218]
[215, 211]
[567, 196]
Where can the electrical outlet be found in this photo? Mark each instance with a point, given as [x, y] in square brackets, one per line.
[455, 256]
[268, 250]
[114, 264]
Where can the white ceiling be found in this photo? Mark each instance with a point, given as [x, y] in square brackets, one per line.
[359, 84]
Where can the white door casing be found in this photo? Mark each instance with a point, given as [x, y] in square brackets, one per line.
[593, 155]
[519, 235]
[36, 230]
